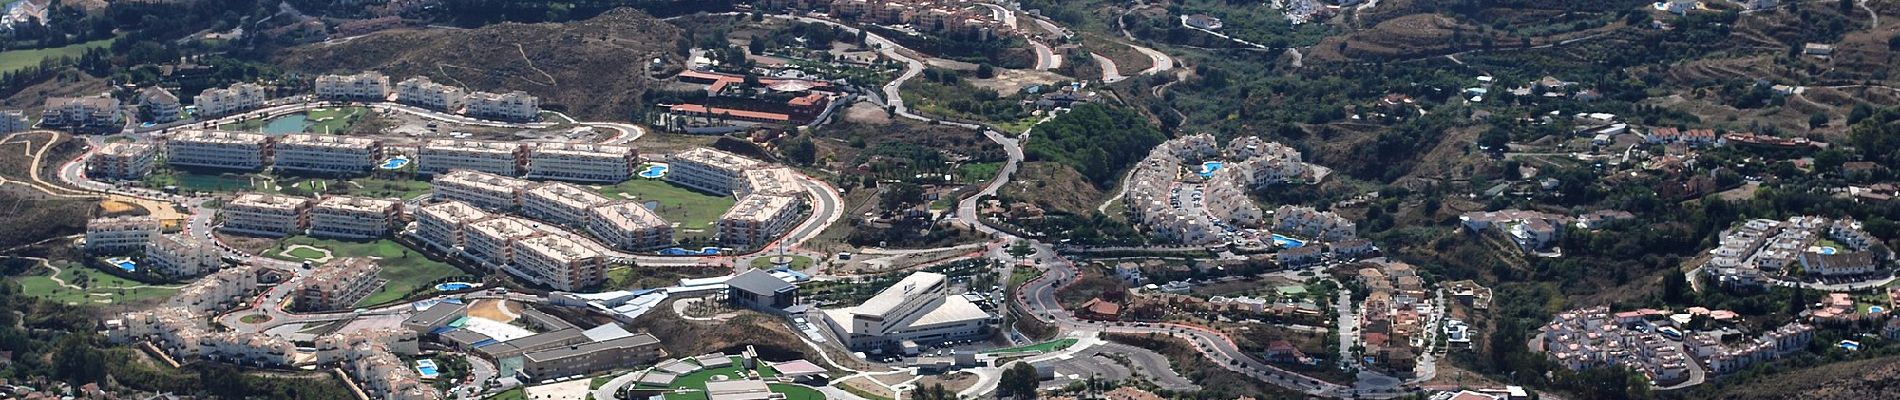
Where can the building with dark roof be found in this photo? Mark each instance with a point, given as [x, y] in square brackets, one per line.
[760, 290]
[591, 357]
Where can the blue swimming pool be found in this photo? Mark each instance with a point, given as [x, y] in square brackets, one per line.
[427, 369]
[1875, 309]
[147, 124]
[395, 162]
[1208, 168]
[453, 286]
[703, 251]
[124, 264]
[653, 172]
[1850, 345]
[1829, 250]
[1287, 242]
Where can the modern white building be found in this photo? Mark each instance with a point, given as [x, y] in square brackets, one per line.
[441, 225]
[349, 217]
[339, 284]
[757, 219]
[118, 235]
[561, 203]
[180, 256]
[82, 113]
[218, 149]
[218, 102]
[484, 190]
[122, 161]
[919, 309]
[491, 241]
[421, 92]
[266, 215]
[159, 105]
[630, 226]
[511, 106]
[582, 162]
[366, 86]
[14, 121]
[444, 155]
[709, 170]
[558, 262]
[772, 181]
[326, 154]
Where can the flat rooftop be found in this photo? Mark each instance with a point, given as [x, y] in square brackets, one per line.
[716, 158]
[453, 211]
[267, 201]
[888, 299]
[559, 248]
[758, 208]
[505, 227]
[568, 195]
[630, 215]
[589, 150]
[483, 181]
[125, 149]
[199, 136]
[463, 146]
[774, 181]
[355, 204]
[328, 141]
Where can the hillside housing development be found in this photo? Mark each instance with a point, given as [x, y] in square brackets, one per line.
[365, 86]
[179, 256]
[123, 234]
[82, 113]
[757, 219]
[1755, 252]
[218, 102]
[1190, 190]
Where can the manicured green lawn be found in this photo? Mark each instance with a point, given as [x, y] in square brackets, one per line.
[1048, 346]
[306, 253]
[978, 172]
[798, 262]
[387, 188]
[333, 120]
[518, 393]
[405, 269]
[796, 392]
[193, 181]
[690, 209]
[247, 125]
[100, 288]
[254, 318]
[18, 59]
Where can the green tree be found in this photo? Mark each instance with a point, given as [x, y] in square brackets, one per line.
[1817, 119]
[1019, 381]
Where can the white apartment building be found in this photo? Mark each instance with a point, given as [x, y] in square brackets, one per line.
[335, 348]
[629, 225]
[89, 112]
[354, 217]
[441, 225]
[339, 284]
[772, 182]
[213, 292]
[118, 235]
[421, 92]
[160, 105]
[367, 86]
[384, 376]
[218, 149]
[180, 256]
[709, 170]
[484, 190]
[217, 102]
[919, 308]
[14, 121]
[582, 162]
[491, 241]
[444, 155]
[558, 262]
[122, 161]
[757, 219]
[265, 215]
[561, 203]
[511, 106]
[1311, 223]
[326, 154]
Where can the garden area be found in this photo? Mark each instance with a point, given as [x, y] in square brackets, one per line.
[406, 270]
[692, 210]
[322, 120]
[76, 284]
[692, 386]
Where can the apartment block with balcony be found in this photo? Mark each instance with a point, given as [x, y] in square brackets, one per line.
[483, 190]
[561, 203]
[349, 217]
[444, 155]
[491, 241]
[772, 182]
[119, 235]
[629, 225]
[122, 161]
[87, 113]
[366, 86]
[158, 105]
[326, 154]
[218, 149]
[421, 92]
[265, 215]
[757, 220]
[557, 262]
[339, 284]
[14, 121]
[709, 170]
[442, 225]
[180, 256]
[582, 162]
[511, 106]
[237, 98]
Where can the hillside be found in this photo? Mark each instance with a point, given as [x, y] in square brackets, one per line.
[1877, 378]
[593, 69]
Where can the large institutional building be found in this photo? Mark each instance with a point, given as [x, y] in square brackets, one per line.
[122, 161]
[367, 86]
[582, 162]
[709, 170]
[558, 262]
[511, 106]
[218, 149]
[265, 215]
[354, 217]
[339, 284]
[119, 234]
[444, 155]
[484, 190]
[629, 225]
[918, 309]
[592, 357]
[326, 154]
[756, 220]
[216, 102]
[421, 92]
[441, 225]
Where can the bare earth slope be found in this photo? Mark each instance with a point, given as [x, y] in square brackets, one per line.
[593, 69]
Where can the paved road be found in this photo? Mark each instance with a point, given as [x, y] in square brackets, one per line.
[1110, 73]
